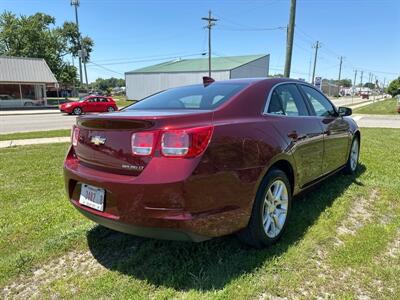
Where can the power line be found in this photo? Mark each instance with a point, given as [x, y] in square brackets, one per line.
[105, 68]
[150, 60]
[142, 57]
[226, 28]
[242, 27]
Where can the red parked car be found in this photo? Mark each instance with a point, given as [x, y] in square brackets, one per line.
[89, 104]
[202, 161]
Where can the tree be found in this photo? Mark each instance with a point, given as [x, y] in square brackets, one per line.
[369, 85]
[69, 32]
[37, 36]
[105, 84]
[344, 82]
[277, 75]
[394, 87]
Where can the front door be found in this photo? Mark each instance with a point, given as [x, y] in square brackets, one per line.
[336, 130]
[289, 114]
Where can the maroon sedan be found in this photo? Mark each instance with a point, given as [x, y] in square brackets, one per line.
[202, 161]
[89, 104]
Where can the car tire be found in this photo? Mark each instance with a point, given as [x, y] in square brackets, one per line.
[29, 104]
[354, 154]
[269, 219]
[77, 111]
[110, 109]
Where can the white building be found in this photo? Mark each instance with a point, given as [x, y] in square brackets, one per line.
[149, 80]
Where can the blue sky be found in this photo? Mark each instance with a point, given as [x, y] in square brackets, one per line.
[129, 34]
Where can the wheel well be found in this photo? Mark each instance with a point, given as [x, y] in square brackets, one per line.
[358, 135]
[286, 167]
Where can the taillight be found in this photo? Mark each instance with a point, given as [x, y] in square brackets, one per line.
[75, 136]
[143, 143]
[186, 142]
[175, 143]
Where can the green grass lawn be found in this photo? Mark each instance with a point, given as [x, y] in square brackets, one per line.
[123, 103]
[342, 240]
[35, 134]
[385, 107]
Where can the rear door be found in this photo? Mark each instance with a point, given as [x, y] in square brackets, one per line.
[335, 129]
[101, 104]
[290, 115]
[91, 105]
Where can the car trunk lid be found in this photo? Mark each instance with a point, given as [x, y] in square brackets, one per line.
[105, 139]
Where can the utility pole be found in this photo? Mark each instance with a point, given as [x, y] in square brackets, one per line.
[340, 68]
[83, 53]
[383, 86]
[211, 22]
[316, 46]
[76, 4]
[289, 38]
[354, 84]
[361, 81]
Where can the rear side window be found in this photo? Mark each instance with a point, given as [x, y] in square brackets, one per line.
[286, 100]
[321, 105]
[191, 97]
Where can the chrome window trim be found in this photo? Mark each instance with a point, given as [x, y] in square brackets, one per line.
[265, 111]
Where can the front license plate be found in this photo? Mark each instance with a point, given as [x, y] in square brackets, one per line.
[92, 196]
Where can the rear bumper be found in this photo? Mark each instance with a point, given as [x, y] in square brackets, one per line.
[149, 232]
[189, 207]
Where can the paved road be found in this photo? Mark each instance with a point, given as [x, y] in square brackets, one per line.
[25, 123]
[378, 121]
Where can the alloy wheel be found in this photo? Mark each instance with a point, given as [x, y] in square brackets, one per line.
[354, 155]
[275, 208]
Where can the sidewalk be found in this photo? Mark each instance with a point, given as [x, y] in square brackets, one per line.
[12, 143]
[29, 112]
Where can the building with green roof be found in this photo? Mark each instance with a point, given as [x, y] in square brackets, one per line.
[146, 81]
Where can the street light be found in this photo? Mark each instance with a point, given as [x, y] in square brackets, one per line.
[75, 2]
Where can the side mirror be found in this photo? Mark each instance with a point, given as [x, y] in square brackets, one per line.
[344, 111]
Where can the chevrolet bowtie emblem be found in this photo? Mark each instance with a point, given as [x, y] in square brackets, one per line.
[98, 140]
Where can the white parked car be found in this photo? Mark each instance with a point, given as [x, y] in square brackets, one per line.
[8, 101]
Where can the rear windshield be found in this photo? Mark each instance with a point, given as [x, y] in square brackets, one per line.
[191, 97]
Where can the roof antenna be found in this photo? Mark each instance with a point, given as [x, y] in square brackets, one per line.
[207, 80]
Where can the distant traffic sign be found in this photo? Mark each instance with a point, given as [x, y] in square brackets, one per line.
[318, 82]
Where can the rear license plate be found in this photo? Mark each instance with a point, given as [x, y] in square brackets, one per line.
[92, 196]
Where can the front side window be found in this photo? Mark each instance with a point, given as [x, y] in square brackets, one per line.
[321, 105]
[286, 100]
[191, 97]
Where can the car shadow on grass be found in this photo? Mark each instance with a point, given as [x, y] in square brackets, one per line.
[212, 264]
